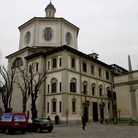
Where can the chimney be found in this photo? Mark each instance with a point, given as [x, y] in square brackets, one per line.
[94, 55]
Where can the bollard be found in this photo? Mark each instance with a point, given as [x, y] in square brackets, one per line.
[130, 121]
[106, 120]
[115, 121]
[101, 121]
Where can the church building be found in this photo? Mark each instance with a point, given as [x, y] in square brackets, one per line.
[76, 83]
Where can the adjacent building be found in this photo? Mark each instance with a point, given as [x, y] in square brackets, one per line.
[126, 87]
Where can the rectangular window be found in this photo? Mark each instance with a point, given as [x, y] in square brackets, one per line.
[59, 62]
[92, 70]
[100, 73]
[100, 91]
[48, 65]
[72, 87]
[73, 63]
[36, 66]
[60, 106]
[73, 106]
[50, 13]
[60, 86]
[54, 62]
[109, 94]
[48, 107]
[107, 75]
[48, 88]
[93, 90]
[84, 67]
[85, 89]
[54, 107]
[30, 68]
[53, 87]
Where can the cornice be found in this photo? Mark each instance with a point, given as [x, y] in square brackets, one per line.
[19, 52]
[47, 19]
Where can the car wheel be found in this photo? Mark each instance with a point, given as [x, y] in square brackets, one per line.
[49, 130]
[23, 131]
[7, 131]
[38, 129]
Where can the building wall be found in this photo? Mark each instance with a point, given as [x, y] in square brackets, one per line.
[59, 28]
[64, 75]
[126, 87]
[123, 102]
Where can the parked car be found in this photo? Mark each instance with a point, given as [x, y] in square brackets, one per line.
[40, 124]
[11, 122]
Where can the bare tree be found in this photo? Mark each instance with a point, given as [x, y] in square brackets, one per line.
[23, 81]
[32, 82]
[6, 84]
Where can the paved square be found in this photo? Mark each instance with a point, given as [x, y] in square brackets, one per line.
[92, 130]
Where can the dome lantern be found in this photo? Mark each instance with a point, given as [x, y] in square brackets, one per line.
[50, 10]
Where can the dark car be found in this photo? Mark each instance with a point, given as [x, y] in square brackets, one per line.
[40, 124]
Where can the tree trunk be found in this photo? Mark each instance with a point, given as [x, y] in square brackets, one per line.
[34, 112]
[24, 104]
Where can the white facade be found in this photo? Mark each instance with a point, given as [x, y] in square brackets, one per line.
[59, 28]
[76, 83]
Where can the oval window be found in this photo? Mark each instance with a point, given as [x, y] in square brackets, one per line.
[48, 35]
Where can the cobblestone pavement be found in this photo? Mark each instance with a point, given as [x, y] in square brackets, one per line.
[92, 130]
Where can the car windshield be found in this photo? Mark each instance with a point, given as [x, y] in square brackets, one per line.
[45, 120]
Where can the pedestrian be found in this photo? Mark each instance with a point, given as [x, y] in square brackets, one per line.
[56, 119]
[83, 122]
[49, 118]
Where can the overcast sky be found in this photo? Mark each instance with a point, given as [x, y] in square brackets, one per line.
[107, 27]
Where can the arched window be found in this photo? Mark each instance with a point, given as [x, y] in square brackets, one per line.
[85, 87]
[100, 90]
[17, 63]
[73, 85]
[68, 38]
[93, 88]
[54, 105]
[28, 37]
[53, 85]
[109, 95]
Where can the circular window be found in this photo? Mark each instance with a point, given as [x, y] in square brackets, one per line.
[28, 36]
[48, 35]
[68, 38]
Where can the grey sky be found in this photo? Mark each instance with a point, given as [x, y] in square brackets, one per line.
[108, 27]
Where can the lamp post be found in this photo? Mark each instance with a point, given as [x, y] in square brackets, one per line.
[67, 112]
[119, 110]
[102, 104]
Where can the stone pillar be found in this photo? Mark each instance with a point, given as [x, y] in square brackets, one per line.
[65, 89]
[133, 103]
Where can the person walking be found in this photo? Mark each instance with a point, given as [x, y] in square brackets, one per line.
[56, 119]
[83, 122]
[49, 118]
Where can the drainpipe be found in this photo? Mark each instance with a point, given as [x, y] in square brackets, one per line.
[80, 80]
[34, 33]
[61, 34]
[43, 108]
